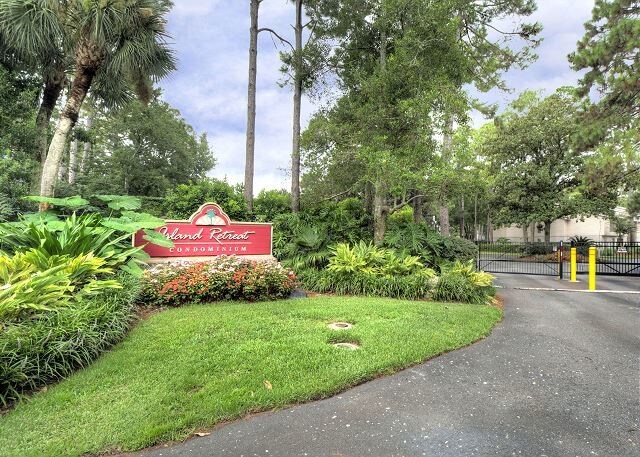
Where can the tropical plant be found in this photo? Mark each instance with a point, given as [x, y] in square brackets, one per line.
[368, 259]
[308, 248]
[32, 283]
[461, 283]
[91, 233]
[117, 48]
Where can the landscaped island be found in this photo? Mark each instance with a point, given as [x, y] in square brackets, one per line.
[189, 368]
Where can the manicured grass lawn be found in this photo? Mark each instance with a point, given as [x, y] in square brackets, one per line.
[190, 368]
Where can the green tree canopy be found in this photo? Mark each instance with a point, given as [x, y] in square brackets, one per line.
[538, 169]
[610, 52]
[144, 150]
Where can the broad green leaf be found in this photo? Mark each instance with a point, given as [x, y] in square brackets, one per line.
[157, 238]
[144, 220]
[121, 202]
[120, 225]
[67, 202]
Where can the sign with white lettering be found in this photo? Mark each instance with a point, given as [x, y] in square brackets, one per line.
[210, 232]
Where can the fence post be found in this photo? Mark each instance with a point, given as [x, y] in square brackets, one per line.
[561, 260]
[592, 268]
[574, 264]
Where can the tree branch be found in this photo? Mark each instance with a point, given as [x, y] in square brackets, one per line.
[340, 194]
[395, 208]
[274, 33]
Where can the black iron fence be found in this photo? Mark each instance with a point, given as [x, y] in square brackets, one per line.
[524, 258]
[613, 258]
[553, 259]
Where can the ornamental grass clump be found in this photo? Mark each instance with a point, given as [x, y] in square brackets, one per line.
[224, 278]
[51, 345]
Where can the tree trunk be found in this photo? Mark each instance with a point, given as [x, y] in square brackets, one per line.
[462, 232]
[62, 172]
[418, 205]
[445, 229]
[489, 228]
[83, 77]
[52, 89]
[86, 149]
[297, 102]
[73, 161]
[379, 213]
[447, 144]
[547, 231]
[475, 219]
[525, 233]
[251, 104]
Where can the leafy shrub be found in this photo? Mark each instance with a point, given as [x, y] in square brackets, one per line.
[458, 249]
[371, 260]
[432, 248]
[224, 278]
[461, 283]
[537, 248]
[48, 347]
[346, 221]
[581, 243]
[411, 287]
[106, 237]
[307, 247]
[31, 283]
[183, 200]
[271, 203]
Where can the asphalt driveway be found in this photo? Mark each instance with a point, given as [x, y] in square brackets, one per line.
[559, 377]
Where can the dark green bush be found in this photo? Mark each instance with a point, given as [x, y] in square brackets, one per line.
[271, 203]
[184, 200]
[39, 351]
[458, 249]
[432, 248]
[537, 248]
[581, 243]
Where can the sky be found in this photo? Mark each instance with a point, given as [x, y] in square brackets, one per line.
[209, 88]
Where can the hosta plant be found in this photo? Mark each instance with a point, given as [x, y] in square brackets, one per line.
[31, 283]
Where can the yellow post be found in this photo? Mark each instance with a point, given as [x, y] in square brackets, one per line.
[592, 268]
[574, 264]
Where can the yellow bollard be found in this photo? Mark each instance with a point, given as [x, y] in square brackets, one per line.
[592, 268]
[574, 264]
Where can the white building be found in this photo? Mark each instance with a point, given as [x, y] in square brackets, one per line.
[595, 228]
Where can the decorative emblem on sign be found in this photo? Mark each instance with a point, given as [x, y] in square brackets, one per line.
[210, 232]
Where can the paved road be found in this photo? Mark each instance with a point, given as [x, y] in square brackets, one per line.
[559, 377]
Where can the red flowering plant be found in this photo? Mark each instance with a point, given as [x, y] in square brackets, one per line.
[224, 278]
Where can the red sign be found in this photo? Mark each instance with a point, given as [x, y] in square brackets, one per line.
[210, 232]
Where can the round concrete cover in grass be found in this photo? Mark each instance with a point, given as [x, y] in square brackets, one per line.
[340, 326]
[351, 346]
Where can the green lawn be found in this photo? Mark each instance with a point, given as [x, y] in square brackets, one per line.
[190, 368]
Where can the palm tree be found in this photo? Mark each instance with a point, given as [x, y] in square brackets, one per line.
[118, 47]
[42, 53]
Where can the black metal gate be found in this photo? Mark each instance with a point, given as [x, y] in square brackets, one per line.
[553, 259]
[612, 258]
[522, 258]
